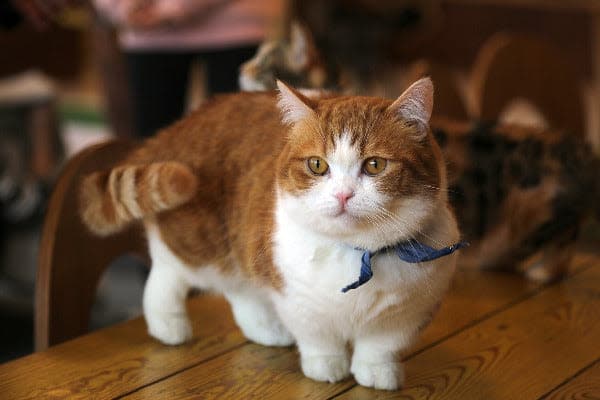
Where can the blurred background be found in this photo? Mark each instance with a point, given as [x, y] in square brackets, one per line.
[73, 73]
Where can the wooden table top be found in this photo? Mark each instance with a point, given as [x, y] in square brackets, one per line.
[495, 337]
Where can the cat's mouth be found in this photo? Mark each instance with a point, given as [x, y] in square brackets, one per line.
[343, 213]
[340, 213]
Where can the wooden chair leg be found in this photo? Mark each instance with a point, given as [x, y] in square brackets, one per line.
[71, 259]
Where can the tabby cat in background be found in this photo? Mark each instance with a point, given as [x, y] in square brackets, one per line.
[520, 194]
[281, 204]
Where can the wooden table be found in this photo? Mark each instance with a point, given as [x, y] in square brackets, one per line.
[495, 337]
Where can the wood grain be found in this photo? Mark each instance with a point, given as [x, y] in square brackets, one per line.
[521, 352]
[250, 372]
[476, 295]
[114, 361]
[260, 372]
[219, 363]
[584, 386]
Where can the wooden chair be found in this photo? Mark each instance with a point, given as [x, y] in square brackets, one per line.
[71, 259]
[514, 66]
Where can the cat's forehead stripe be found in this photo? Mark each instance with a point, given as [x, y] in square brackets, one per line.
[351, 118]
[344, 152]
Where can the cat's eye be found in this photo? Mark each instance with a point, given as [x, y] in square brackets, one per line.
[317, 165]
[374, 165]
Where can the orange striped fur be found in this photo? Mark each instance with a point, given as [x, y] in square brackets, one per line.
[112, 199]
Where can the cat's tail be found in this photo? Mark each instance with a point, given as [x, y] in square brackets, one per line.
[110, 200]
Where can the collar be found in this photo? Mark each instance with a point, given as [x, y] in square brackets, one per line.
[410, 251]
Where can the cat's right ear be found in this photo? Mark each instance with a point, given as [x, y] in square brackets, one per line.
[294, 105]
[416, 104]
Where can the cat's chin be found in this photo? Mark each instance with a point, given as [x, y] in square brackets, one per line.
[334, 226]
[339, 225]
[343, 215]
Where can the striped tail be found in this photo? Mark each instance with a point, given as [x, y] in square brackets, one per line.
[110, 200]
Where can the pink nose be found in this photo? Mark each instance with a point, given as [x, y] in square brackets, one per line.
[343, 197]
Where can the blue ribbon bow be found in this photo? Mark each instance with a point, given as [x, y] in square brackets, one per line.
[410, 251]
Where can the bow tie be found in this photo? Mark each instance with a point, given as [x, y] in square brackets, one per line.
[410, 251]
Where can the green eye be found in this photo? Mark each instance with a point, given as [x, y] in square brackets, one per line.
[317, 165]
[374, 165]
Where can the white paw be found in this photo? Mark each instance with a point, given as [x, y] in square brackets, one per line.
[259, 322]
[268, 332]
[169, 328]
[326, 368]
[386, 376]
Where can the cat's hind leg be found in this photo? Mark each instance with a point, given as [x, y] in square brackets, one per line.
[165, 294]
[254, 313]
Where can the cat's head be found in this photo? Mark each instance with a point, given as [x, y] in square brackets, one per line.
[363, 170]
[294, 59]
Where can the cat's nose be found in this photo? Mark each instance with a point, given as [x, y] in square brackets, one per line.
[344, 196]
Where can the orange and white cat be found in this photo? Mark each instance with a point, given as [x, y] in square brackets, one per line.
[273, 201]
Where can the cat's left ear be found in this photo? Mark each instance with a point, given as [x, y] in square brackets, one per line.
[293, 104]
[415, 104]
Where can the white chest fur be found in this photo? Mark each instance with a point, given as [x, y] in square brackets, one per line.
[315, 269]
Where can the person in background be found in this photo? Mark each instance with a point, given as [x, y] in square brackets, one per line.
[162, 38]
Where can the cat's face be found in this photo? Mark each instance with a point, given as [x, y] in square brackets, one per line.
[356, 166]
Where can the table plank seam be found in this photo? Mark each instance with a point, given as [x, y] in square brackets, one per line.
[585, 265]
[162, 378]
[569, 379]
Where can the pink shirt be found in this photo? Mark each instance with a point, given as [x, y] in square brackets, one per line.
[196, 24]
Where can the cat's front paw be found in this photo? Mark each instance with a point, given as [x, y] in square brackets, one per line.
[326, 368]
[386, 376]
[169, 328]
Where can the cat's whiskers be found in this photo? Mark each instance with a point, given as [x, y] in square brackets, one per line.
[421, 233]
[403, 223]
[437, 188]
[381, 218]
[379, 234]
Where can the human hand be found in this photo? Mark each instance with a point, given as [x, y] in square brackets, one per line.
[41, 13]
[145, 17]
[152, 14]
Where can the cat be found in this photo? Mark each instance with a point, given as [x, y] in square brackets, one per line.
[280, 202]
[520, 194]
[293, 59]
